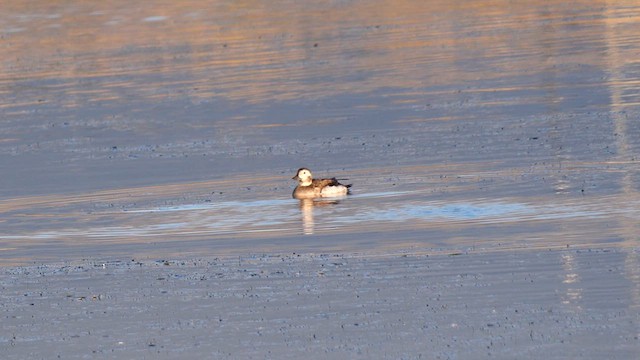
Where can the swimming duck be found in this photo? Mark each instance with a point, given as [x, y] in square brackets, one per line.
[309, 188]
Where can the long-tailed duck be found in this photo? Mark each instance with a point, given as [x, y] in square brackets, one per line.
[309, 188]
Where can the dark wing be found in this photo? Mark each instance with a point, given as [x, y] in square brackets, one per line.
[327, 182]
[320, 183]
[337, 183]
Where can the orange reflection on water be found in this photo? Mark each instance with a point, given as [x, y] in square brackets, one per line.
[286, 50]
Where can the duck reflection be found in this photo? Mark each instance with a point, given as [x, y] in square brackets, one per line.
[306, 208]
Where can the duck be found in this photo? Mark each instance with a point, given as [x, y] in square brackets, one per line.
[310, 188]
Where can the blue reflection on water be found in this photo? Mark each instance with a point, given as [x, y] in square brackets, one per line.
[459, 211]
[264, 204]
[465, 211]
[354, 213]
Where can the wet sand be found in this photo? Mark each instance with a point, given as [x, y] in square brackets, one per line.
[147, 155]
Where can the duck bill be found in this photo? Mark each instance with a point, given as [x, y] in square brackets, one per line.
[295, 178]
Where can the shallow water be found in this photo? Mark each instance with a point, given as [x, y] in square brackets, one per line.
[376, 222]
[173, 130]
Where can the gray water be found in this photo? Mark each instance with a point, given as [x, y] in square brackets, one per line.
[173, 129]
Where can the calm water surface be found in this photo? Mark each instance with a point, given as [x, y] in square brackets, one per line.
[174, 129]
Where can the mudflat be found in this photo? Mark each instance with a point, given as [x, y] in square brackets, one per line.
[147, 155]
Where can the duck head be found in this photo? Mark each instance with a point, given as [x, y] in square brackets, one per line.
[303, 176]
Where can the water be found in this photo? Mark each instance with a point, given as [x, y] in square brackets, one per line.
[376, 222]
[174, 129]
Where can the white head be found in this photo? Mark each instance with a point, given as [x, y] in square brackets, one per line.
[303, 176]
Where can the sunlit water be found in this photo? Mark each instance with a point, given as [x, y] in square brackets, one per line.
[174, 128]
[376, 221]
